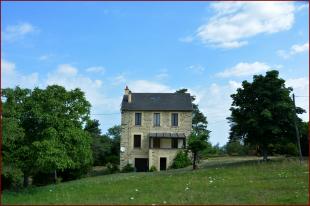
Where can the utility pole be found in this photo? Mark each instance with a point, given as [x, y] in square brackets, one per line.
[296, 129]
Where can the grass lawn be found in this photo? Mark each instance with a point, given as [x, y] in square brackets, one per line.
[218, 181]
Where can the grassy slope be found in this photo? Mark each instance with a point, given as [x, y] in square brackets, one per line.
[217, 182]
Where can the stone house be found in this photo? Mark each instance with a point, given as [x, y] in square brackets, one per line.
[155, 126]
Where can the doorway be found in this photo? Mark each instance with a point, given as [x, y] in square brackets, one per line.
[141, 164]
[163, 163]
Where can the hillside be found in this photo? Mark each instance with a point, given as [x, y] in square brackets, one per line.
[218, 181]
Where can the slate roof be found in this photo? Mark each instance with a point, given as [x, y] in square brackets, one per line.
[157, 102]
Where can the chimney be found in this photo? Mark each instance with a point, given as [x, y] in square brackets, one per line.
[129, 96]
[126, 90]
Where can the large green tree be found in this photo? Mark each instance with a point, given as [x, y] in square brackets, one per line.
[52, 121]
[262, 112]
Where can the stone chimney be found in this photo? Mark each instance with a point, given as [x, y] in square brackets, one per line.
[128, 94]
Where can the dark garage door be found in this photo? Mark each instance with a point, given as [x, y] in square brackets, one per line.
[141, 164]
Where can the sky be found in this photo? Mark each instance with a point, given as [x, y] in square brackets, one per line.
[207, 47]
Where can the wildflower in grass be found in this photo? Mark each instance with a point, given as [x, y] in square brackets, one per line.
[210, 181]
[51, 190]
[136, 190]
[132, 198]
[187, 188]
[164, 202]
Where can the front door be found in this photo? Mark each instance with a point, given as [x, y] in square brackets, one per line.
[163, 163]
[141, 164]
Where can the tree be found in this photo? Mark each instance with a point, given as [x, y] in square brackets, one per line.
[304, 141]
[197, 142]
[52, 120]
[114, 133]
[262, 112]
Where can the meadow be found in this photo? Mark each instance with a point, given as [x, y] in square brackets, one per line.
[226, 180]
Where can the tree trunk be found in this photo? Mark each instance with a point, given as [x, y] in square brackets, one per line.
[55, 176]
[26, 180]
[194, 160]
[265, 153]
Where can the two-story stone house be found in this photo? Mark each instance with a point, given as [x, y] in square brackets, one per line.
[155, 126]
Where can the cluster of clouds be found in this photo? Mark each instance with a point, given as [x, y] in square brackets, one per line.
[18, 31]
[234, 23]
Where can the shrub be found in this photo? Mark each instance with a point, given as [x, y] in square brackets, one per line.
[128, 168]
[112, 168]
[11, 178]
[181, 160]
[153, 169]
[291, 149]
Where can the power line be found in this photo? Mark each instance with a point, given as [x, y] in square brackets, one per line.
[106, 114]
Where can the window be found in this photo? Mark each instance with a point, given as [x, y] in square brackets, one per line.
[174, 119]
[138, 119]
[156, 119]
[156, 143]
[174, 143]
[137, 141]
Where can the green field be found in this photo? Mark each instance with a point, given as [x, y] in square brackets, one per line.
[218, 181]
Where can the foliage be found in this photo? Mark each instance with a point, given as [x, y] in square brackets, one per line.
[105, 147]
[49, 124]
[112, 168]
[181, 160]
[262, 112]
[128, 168]
[196, 143]
[11, 177]
[213, 151]
[304, 139]
[236, 148]
[153, 169]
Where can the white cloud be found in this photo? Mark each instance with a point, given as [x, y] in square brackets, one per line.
[295, 49]
[235, 22]
[148, 86]
[97, 69]
[67, 69]
[11, 77]
[18, 31]
[244, 69]
[197, 68]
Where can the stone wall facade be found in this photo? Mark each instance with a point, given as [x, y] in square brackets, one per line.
[129, 129]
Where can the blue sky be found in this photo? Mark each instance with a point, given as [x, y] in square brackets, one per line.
[101, 47]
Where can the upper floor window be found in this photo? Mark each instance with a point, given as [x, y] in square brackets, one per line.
[138, 119]
[174, 119]
[137, 141]
[156, 119]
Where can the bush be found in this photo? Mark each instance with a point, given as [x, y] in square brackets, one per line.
[153, 169]
[128, 168]
[291, 149]
[112, 168]
[11, 178]
[181, 160]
